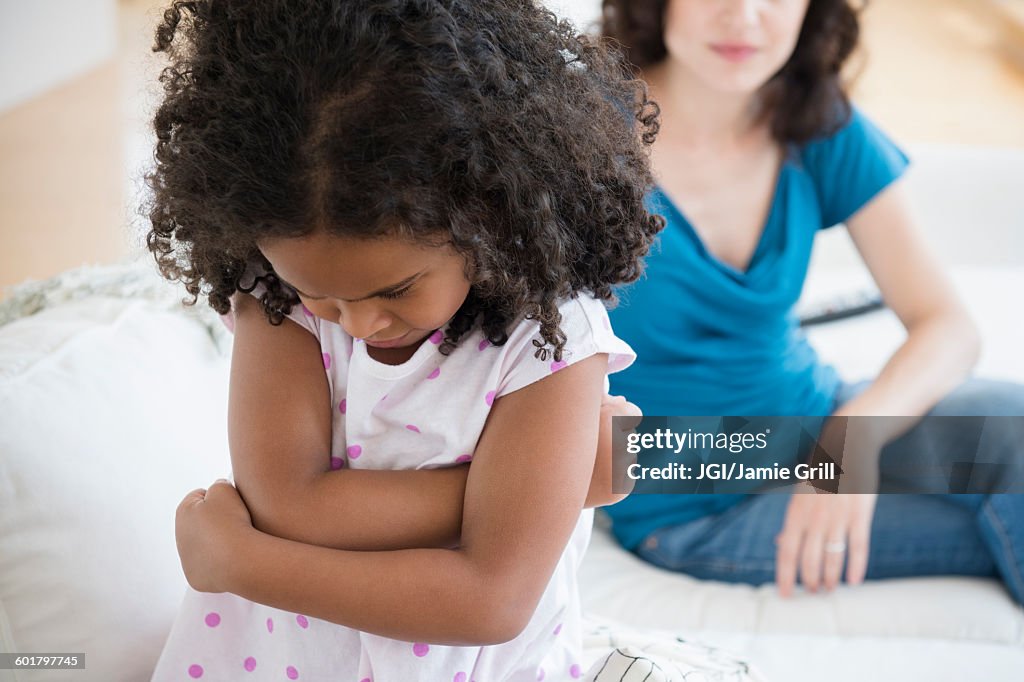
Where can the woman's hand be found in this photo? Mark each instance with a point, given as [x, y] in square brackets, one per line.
[600, 493]
[209, 526]
[821, 532]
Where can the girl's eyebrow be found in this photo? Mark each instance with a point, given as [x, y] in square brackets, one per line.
[379, 292]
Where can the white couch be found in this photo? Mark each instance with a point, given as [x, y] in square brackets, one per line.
[113, 405]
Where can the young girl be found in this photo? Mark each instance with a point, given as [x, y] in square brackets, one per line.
[759, 149]
[413, 211]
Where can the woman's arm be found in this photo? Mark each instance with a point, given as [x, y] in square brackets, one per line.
[942, 341]
[523, 498]
[940, 349]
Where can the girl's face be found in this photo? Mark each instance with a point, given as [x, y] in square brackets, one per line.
[391, 292]
[733, 46]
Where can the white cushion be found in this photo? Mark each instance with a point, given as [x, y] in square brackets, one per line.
[616, 584]
[810, 658]
[110, 411]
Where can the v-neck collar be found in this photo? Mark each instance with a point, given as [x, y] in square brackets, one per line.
[767, 229]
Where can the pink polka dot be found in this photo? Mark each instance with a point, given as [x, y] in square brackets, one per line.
[483, 344]
[291, 672]
[336, 463]
[343, 406]
[354, 451]
[212, 619]
[420, 649]
[462, 459]
[229, 321]
[306, 311]
[555, 366]
[270, 624]
[302, 621]
[540, 674]
[327, 360]
[575, 671]
[436, 373]
[250, 664]
[459, 677]
[413, 427]
[558, 628]
[489, 398]
[436, 337]
[195, 671]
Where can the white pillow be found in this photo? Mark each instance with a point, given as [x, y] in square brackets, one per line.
[110, 411]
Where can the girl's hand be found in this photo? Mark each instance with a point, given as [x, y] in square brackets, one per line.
[600, 493]
[821, 532]
[209, 525]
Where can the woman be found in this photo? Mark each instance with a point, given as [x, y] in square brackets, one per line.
[759, 148]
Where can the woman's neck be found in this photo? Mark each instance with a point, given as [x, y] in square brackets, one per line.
[697, 116]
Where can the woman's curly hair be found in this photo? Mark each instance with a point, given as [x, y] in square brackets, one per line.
[487, 124]
[804, 100]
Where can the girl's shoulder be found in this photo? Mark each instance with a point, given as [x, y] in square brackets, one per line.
[587, 330]
[299, 314]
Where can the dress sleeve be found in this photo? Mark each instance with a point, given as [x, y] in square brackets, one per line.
[299, 313]
[850, 167]
[588, 332]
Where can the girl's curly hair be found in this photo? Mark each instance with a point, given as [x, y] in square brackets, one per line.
[804, 100]
[488, 124]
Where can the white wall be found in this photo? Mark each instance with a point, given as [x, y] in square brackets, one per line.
[44, 43]
[581, 12]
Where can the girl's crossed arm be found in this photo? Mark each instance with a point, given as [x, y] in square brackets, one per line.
[279, 431]
[523, 497]
[280, 439]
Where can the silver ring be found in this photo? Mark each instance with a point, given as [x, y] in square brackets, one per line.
[835, 547]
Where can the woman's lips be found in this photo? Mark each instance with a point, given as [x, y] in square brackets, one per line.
[734, 52]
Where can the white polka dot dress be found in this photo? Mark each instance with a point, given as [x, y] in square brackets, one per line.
[425, 413]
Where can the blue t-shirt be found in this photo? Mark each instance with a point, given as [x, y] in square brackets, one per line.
[713, 340]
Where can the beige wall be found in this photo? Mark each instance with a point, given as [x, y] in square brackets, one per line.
[69, 158]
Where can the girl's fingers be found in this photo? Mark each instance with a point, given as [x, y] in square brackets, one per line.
[216, 486]
[199, 494]
[193, 498]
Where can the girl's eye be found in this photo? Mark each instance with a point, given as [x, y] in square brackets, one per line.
[396, 294]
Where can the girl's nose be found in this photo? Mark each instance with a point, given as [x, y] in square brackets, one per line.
[363, 320]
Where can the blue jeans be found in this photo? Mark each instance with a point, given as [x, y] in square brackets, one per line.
[911, 535]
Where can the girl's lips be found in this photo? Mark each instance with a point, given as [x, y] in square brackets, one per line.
[734, 53]
[390, 343]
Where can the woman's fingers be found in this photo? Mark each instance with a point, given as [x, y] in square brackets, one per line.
[787, 549]
[859, 549]
[821, 535]
[833, 558]
[810, 560]
[788, 544]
